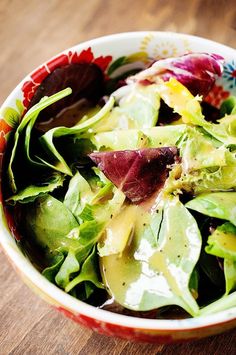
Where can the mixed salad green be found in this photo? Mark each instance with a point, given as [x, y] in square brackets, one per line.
[135, 204]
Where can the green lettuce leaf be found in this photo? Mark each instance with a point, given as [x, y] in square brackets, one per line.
[78, 266]
[222, 242]
[162, 136]
[218, 204]
[138, 109]
[198, 152]
[85, 237]
[178, 97]
[230, 275]
[225, 130]
[203, 181]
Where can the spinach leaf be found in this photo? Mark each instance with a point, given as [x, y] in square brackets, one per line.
[98, 203]
[31, 192]
[47, 223]
[30, 115]
[89, 272]
[80, 264]
[69, 267]
[221, 304]
[51, 271]
[228, 106]
[211, 269]
[154, 269]
[193, 283]
[79, 192]
[118, 232]
[47, 140]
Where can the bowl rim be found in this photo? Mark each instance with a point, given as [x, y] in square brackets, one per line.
[77, 307]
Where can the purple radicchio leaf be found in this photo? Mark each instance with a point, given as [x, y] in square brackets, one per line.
[138, 173]
[197, 71]
[85, 79]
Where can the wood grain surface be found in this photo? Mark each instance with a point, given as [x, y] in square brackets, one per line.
[31, 31]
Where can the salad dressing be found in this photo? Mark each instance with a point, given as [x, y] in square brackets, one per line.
[118, 199]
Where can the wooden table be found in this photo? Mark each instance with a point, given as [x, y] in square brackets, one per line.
[32, 31]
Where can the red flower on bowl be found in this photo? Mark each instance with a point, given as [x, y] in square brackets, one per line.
[217, 95]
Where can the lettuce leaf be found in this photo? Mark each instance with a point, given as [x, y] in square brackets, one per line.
[218, 204]
[202, 181]
[178, 97]
[198, 152]
[51, 271]
[137, 109]
[224, 130]
[222, 242]
[230, 275]
[76, 268]
[161, 136]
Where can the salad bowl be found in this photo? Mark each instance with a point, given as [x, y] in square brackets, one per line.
[113, 55]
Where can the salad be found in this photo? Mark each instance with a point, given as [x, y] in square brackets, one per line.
[124, 190]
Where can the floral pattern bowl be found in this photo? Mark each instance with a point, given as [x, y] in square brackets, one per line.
[112, 54]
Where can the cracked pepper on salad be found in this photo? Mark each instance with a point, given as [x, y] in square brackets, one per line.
[124, 189]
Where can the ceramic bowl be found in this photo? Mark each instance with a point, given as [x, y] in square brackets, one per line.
[136, 47]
